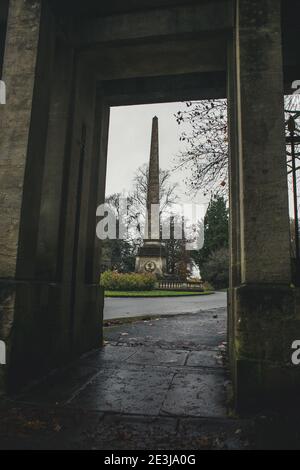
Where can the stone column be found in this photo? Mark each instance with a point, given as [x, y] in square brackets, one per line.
[48, 255]
[27, 68]
[19, 67]
[263, 307]
[234, 195]
[265, 245]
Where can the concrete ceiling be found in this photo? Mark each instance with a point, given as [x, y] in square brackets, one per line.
[92, 8]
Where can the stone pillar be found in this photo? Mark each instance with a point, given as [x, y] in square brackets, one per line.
[265, 245]
[263, 308]
[19, 68]
[27, 69]
[234, 195]
[48, 253]
[46, 161]
[22, 40]
[81, 290]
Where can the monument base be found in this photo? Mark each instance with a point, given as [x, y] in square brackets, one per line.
[151, 259]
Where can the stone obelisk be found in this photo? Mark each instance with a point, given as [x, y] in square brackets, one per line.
[151, 257]
[153, 182]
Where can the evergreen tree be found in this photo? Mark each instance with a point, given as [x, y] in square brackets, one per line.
[215, 230]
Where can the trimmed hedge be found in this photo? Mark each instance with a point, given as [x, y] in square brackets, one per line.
[114, 281]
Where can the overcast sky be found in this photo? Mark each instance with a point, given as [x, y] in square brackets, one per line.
[129, 145]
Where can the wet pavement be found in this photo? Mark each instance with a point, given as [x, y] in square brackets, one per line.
[157, 384]
[160, 367]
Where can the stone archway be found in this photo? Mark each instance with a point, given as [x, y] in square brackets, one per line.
[54, 139]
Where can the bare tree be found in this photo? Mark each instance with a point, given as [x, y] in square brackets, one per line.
[206, 137]
[137, 203]
[138, 195]
[206, 151]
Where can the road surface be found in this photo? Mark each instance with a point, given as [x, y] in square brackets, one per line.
[136, 307]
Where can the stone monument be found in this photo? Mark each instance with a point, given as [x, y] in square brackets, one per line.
[152, 257]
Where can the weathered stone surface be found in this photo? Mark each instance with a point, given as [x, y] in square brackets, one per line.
[37, 428]
[148, 380]
[267, 323]
[169, 398]
[7, 307]
[130, 389]
[262, 311]
[179, 20]
[156, 356]
[265, 249]
[197, 332]
[107, 356]
[19, 75]
[196, 394]
[204, 359]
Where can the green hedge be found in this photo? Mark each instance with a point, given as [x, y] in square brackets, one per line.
[113, 281]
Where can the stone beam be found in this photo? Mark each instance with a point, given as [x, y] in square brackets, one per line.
[183, 87]
[162, 57]
[211, 17]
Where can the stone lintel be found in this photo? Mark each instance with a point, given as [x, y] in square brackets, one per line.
[211, 17]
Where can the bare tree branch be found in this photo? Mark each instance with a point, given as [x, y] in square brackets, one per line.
[206, 139]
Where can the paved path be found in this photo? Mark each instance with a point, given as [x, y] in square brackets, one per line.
[158, 384]
[124, 307]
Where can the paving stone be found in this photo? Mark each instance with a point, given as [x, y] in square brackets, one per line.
[204, 358]
[166, 376]
[60, 386]
[108, 354]
[136, 390]
[157, 356]
[196, 394]
[141, 397]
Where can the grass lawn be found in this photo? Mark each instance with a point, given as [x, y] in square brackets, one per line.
[154, 293]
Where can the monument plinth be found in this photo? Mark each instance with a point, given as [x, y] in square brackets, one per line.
[152, 257]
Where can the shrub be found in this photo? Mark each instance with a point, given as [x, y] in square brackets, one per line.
[114, 281]
[216, 269]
